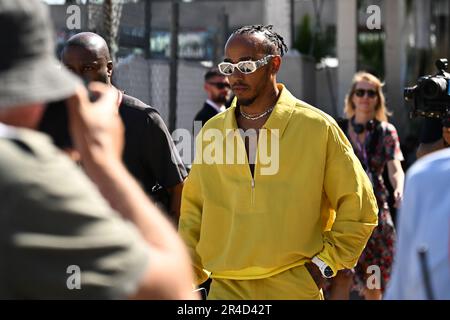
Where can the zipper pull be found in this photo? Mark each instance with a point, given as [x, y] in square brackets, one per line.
[253, 191]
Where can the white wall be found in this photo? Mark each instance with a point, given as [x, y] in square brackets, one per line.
[326, 92]
[278, 14]
[297, 72]
[346, 46]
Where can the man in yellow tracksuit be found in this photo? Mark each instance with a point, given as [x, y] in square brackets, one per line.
[253, 214]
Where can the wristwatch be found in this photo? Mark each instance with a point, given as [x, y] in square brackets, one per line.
[325, 269]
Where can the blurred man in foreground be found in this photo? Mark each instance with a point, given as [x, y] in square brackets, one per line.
[65, 234]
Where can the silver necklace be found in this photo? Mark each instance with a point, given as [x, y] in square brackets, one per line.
[255, 117]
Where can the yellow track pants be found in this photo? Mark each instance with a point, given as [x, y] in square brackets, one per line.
[292, 284]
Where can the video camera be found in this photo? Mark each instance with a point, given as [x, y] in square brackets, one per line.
[431, 95]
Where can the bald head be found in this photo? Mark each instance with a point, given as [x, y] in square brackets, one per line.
[87, 55]
[90, 41]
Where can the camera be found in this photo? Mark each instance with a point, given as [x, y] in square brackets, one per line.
[55, 121]
[431, 95]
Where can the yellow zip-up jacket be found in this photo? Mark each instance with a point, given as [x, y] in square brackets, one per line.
[241, 227]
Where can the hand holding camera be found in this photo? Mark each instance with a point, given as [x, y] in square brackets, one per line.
[55, 122]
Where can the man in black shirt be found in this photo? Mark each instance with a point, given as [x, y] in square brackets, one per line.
[149, 154]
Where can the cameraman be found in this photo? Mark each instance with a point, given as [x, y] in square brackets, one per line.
[55, 218]
[431, 99]
[421, 267]
[421, 264]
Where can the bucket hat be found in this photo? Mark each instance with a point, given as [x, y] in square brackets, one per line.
[29, 69]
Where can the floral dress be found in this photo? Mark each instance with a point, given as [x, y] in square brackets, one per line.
[380, 146]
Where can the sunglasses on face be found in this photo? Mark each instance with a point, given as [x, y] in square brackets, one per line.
[245, 67]
[362, 92]
[220, 85]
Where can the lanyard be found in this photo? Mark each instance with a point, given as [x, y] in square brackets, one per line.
[363, 150]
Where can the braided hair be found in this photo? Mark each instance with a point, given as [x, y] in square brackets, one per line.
[273, 43]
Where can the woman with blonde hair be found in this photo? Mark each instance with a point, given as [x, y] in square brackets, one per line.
[375, 142]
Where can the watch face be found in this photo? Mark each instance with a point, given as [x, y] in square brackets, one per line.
[328, 272]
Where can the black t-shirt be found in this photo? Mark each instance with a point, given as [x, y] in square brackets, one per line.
[149, 149]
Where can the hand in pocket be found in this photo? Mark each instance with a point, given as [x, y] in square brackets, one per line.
[315, 274]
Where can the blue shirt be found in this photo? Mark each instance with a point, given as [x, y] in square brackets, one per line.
[424, 221]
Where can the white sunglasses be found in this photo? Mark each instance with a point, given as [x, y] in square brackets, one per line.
[245, 67]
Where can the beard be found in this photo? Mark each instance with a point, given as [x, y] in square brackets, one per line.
[220, 99]
[246, 102]
[104, 78]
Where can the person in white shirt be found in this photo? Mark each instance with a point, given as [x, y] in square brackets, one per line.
[422, 262]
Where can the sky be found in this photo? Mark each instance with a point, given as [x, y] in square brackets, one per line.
[55, 1]
[58, 1]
